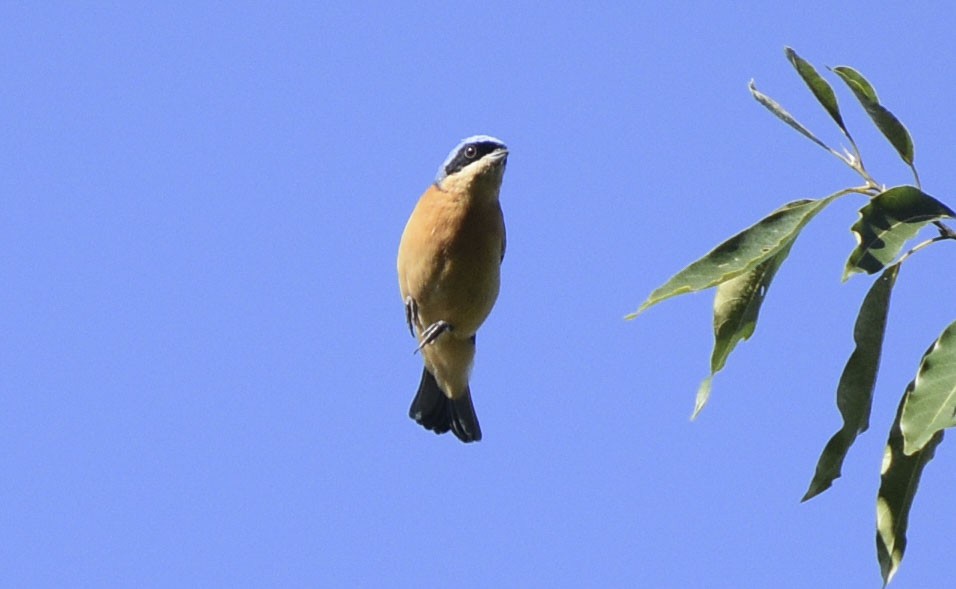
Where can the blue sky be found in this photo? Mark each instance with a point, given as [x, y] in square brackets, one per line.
[205, 368]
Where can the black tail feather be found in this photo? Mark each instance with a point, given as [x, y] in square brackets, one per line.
[436, 412]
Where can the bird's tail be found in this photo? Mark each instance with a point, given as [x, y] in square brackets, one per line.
[436, 412]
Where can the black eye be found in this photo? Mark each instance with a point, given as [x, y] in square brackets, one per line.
[471, 151]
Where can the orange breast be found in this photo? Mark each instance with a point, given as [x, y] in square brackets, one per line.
[449, 259]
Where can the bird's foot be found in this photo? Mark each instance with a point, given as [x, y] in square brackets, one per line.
[432, 332]
[411, 314]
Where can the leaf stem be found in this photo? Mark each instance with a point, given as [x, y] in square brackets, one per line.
[915, 176]
[856, 150]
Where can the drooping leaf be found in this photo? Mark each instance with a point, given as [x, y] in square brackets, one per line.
[899, 479]
[885, 121]
[820, 87]
[736, 308]
[886, 223]
[742, 252]
[784, 116]
[931, 403]
[855, 390]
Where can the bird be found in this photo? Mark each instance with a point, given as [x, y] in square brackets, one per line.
[449, 261]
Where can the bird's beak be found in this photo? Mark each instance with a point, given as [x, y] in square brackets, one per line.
[499, 155]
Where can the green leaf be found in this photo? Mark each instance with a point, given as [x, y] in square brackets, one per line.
[885, 121]
[784, 116]
[899, 479]
[931, 403]
[848, 73]
[736, 307]
[742, 252]
[886, 223]
[855, 391]
[820, 87]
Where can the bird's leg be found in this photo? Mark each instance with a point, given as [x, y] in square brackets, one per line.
[411, 314]
[432, 332]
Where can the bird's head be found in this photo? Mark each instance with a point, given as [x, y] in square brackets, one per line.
[477, 162]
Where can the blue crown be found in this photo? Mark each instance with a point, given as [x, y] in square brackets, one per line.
[454, 152]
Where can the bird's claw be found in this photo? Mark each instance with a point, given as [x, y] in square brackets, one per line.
[432, 332]
[411, 314]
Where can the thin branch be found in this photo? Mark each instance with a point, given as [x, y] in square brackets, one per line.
[945, 230]
[923, 244]
[855, 161]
